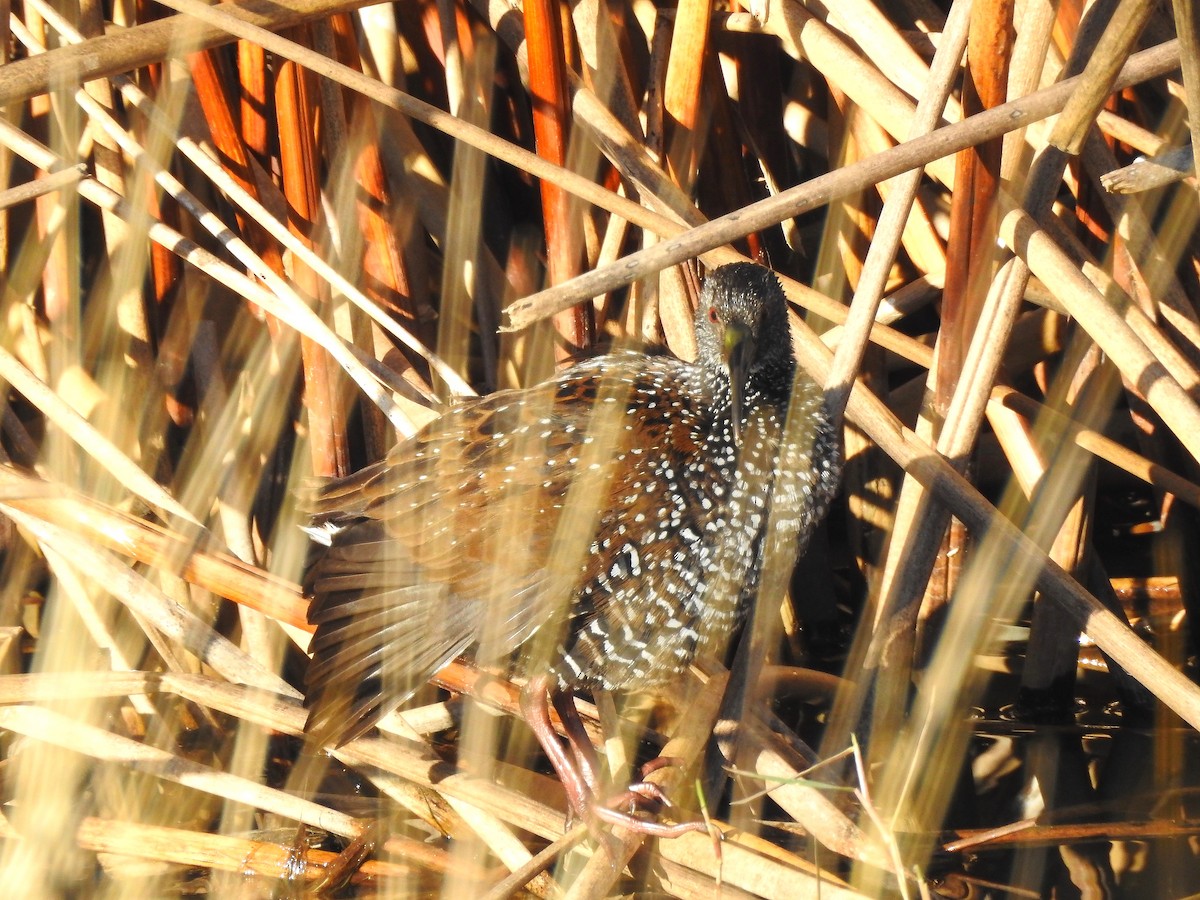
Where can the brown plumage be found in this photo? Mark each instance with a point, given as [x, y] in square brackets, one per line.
[617, 511]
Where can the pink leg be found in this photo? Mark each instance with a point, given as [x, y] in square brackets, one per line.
[643, 793]
[579, 775]
[535, 706]
[646, 827]
[647, 790]
[577, 737]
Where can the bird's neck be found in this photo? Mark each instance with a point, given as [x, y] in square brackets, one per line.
[770, 384]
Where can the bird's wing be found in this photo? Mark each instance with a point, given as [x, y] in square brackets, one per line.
[459, 537]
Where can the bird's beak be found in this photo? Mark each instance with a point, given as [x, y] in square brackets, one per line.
[738, 350]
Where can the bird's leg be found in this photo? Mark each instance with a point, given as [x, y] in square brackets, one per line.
[577, 737]
[643, 791]
[648, 789]
[535, 706]
[588, 763]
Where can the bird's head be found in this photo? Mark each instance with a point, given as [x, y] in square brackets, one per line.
[741, 328]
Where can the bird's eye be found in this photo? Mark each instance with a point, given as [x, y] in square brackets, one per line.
[713, 315]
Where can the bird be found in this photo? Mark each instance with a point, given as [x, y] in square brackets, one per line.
[597, 531]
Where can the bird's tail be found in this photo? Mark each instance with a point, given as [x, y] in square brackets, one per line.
[380, 634]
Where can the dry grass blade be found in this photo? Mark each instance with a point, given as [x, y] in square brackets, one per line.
[58, 730]
[100, 448]
[881, 256]
[246, 244]
[47, 185]
[236, 855]
[132, 48]
[177, 624]
[820, 190]
[156, 546]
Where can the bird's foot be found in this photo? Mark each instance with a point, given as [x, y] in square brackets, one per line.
[647, 798]
[640, 796]
[645, 795]
[634, 808]
[647, 790]
[577, 770]
[649, 827]
[660, 762]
